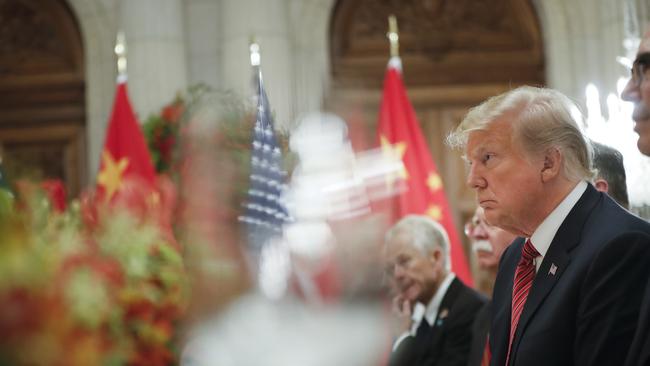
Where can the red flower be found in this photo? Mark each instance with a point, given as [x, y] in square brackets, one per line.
[56, 193]
[173, 112]
[20, 313]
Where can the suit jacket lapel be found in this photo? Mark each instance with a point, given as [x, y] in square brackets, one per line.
[447, 301]
[433, 340]
[557, 258]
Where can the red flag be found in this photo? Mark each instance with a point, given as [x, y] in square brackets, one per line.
[125, 155]
[400, 136]
[56, 193]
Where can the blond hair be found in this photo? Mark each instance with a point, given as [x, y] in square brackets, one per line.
[541, 119]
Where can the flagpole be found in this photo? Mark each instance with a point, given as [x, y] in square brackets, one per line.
[256, 58]
[120, 52]
[254, 49]
[393, 36]
[393, 39]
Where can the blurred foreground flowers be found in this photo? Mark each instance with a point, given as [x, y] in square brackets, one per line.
[106, 283]
[89, 285]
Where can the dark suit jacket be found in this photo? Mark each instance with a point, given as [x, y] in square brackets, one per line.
[447, 341]
[587, 312]
[480, 330]
[640, 349]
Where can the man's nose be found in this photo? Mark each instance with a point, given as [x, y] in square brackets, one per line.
[631, 92]
[474, 178]
[479, 232]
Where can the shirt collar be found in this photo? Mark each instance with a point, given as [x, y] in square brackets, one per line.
[431, 311]
[545, 232]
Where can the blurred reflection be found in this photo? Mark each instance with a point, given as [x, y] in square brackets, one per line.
[317, 298]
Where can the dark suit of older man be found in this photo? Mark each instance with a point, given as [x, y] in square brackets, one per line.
[447, 341]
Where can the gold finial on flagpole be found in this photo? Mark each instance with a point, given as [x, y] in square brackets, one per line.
[120, 52]
[254, 49]
[393, 36]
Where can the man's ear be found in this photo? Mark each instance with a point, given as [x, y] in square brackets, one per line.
[435, 255]
[601, 185]
[552, 164]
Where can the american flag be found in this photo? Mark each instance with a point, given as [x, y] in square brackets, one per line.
[265, 212]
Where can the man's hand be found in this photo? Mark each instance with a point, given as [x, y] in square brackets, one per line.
[403, 310]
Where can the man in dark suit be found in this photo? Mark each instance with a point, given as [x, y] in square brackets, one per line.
[488, 244]
[637, 91]
[568, 292]
[437, 308]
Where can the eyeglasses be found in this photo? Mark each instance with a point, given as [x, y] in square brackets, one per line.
[471, 225]
[639, 68]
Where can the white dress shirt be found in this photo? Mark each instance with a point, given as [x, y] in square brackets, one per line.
[428, 313]
[545, 232]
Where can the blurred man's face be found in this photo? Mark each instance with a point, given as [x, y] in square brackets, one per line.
[488, 242]
[507, 183]
[414, 275]
[637, 91]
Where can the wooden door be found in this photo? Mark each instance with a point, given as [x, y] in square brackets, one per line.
[42, 92]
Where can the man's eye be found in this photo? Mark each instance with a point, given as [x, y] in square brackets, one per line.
[487, 157]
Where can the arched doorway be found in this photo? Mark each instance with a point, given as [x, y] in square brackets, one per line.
[42, 92]
[455, 54]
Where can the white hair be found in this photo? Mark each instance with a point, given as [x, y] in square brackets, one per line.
[425, 234]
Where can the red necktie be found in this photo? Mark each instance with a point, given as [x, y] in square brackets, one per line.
[524, 276]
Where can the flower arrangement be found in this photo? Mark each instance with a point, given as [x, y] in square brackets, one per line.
[89, 285]
[100, 284]
[162, 130]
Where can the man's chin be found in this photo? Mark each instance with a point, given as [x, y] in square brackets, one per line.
[644, 145]
[411, 294]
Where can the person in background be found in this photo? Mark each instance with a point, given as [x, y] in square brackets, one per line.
[610, 175]
[488, 244]
[435, 309]
[567, 291]
[637, 91]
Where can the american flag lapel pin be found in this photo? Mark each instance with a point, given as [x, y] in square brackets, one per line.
[441, 318]
[553, 269]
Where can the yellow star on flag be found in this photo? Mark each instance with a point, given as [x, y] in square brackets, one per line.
[434, 182]
[111, 175]
[395, 151]
[435, 212]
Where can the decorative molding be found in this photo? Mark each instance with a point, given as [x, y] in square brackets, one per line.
[441, 42]
[37, 37]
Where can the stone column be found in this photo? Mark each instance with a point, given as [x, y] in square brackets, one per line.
[310, 20]
[582, 39]
[156, 52]
[268, 21]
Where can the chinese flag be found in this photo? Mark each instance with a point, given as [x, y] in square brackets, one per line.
[400, 136]
[125, 156]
